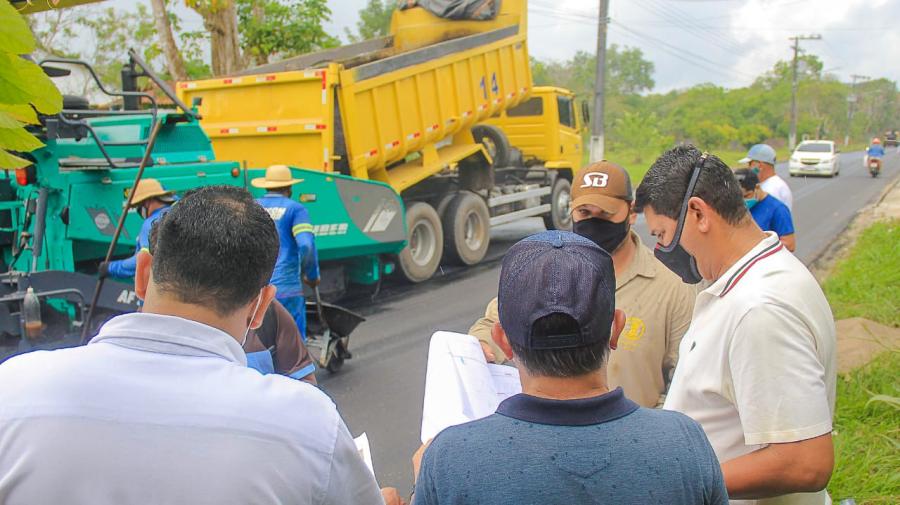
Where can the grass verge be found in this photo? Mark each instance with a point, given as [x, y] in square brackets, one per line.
[867, 434]
[867, 282]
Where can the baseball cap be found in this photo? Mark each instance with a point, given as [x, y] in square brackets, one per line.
[557, 272]
[603, 184]
[760, 152]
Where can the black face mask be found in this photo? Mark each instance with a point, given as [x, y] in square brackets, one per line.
[679, 261]
[673, 256]
[605, 234]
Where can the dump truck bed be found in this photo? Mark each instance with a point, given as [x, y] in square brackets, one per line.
[373, 112]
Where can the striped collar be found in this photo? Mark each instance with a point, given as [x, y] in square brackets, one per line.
[764, 249]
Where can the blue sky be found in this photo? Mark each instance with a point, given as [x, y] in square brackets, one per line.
[726, 42]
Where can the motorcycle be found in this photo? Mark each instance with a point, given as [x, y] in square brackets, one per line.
[874, 165]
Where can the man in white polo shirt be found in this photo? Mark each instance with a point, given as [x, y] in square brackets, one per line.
[757, 365]
[160, 407]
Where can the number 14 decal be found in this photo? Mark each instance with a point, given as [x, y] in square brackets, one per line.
[495, 88]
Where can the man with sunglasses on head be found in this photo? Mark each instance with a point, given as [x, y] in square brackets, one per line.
[757, 366]
[657, 304]
[152, 202]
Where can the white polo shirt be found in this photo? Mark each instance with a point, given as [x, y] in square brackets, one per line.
[163, 410]
[757, 365]
[776, 187]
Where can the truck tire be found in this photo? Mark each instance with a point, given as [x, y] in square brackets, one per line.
[422, 255]
[467, 229]
[559, 218]
[495, 141]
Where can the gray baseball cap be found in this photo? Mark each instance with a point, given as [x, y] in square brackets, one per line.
[760, 152]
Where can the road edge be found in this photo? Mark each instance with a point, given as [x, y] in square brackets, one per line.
[824, 260]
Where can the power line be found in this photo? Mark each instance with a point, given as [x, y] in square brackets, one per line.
[692, 26]
[675, 52]
[682, 52]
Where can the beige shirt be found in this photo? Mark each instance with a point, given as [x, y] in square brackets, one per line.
[657, 306]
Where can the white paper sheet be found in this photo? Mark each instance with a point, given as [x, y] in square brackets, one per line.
[365, 452]
[460, 386]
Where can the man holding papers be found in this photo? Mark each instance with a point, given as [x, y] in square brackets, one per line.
[566, 438]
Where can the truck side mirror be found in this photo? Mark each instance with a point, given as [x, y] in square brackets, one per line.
[585, 113]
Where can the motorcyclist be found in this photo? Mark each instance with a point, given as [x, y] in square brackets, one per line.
[875, 150]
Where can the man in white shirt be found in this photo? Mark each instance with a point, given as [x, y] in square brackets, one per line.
[160, 407]
[757, 366]
[761, 159]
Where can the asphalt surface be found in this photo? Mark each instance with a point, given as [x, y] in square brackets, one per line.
[380, 391]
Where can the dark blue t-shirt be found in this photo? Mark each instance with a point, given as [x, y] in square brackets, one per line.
[772, 215]
[601, 450]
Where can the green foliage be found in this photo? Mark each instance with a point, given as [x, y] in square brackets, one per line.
[114, 31]
[867, 433]
[640, 129]
[724, 119]
[23, 85]
[750, 134]
[374, 21]
[867, 283]
[282, 27]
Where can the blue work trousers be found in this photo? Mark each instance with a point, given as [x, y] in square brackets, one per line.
[296, 305]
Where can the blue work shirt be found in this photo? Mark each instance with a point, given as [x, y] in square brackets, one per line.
[126, 268]
[297, 250]
[875, 151]
[772, 215]
[604, 449]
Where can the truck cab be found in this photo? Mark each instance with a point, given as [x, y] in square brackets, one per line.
[545, 128]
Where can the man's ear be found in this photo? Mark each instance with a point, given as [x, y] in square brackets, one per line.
[701, 212]
[142, 273]
[267, 294]
[499, 337]
[632, 215]
[617, 327]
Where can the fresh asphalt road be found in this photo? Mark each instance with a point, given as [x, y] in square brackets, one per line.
[380, 391]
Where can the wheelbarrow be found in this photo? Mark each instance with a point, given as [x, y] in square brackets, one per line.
[328, 329]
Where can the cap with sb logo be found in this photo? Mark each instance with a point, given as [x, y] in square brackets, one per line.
[604, 184]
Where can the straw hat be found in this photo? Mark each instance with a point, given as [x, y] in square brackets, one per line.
[150, 188]
[277, 176]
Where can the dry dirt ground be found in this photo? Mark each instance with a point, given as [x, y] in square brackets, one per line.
[859, 339]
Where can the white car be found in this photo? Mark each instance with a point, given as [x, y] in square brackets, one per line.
[816, 157]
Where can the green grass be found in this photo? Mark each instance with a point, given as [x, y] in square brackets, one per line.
[867, 434]
[867, 283]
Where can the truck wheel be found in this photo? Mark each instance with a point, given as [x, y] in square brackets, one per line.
[422, 255]
[467, 229]
[559, 218]
[495, 141]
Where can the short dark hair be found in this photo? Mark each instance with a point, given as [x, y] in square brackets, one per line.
[561, 362]
[747, 178]
[666, 182]
[216, 247]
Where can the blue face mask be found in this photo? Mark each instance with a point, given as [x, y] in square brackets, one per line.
[750, 202]
[755, 169]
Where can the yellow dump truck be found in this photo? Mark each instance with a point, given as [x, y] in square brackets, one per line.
[424, 110]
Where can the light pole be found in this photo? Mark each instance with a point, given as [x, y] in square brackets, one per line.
[792, 137]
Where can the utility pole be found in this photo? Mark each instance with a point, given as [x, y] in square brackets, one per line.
[597, 134]
[851, 101]
[792, 138]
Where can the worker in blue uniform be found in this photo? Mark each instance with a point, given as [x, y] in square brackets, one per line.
[152, 202]
[297, 258]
